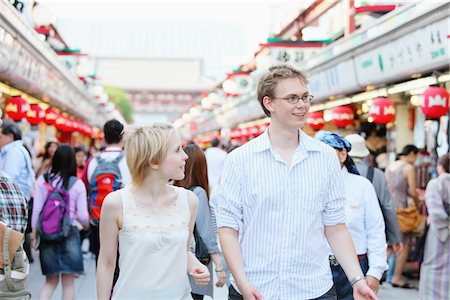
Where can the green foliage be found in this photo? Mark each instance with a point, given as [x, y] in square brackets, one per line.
[119, 97]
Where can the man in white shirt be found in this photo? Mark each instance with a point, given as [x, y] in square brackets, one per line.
[281, 200]
[215, 157]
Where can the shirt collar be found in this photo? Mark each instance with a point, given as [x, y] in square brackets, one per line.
[307, 143]
[112, 149]
[11, 145]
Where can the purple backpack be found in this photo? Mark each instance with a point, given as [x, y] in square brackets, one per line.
[54, 220]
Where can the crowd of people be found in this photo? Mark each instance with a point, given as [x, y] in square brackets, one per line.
[287, 215]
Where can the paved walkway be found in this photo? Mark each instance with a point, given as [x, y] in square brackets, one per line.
[85, 285]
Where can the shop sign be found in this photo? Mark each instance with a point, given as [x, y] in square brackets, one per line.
[339, 79]
[422, 50]
[6, 43]
[294, 56]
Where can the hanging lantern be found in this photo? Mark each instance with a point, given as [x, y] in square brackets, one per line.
[35, 115]
[16, 108]
[263, 127]
[50, 116]
[315, 120]
[342, 116]
[61, 123]
[434, 102]
[382, 110]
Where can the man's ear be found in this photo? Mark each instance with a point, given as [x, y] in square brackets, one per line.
[267, 102]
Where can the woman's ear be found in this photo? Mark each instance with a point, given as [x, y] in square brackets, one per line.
[153, 165]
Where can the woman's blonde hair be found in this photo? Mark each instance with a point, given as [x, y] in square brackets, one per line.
[146, 144]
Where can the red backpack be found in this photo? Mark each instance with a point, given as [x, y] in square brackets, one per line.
[106, 178]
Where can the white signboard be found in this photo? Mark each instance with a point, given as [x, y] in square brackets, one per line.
[294, 56]
[422, 50]
[337, 80]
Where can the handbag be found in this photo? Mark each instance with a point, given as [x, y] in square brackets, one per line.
[411, 221]
[201, 251]
[14, 265]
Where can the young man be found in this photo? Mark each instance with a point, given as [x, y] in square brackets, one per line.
[113, 131]
[281, 201]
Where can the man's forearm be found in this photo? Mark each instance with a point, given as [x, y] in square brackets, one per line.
[232, 253]
[341, 243]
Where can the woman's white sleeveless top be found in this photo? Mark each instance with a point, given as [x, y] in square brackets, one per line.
[153, 250]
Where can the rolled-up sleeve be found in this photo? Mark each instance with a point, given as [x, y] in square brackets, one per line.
[334, 211]
[230, 211]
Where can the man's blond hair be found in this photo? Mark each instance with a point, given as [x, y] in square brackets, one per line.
[269, 81]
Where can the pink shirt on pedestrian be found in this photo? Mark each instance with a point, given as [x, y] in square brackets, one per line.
[78, 201]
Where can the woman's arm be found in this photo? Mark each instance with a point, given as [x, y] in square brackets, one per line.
[111, 222]
[196, 269]
[410, 174]
[81, 204]
[40, 194]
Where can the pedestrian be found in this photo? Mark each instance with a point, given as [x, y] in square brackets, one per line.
[13, 204]
[80, 158]
[435, 270]
[63, 258]
[196, 180]
[281, 201]
[45, 162]
[401, 180]
[15, 160]
[215, 157]
[104, 172]
[359, 153]
[364, 221]
[150, 222]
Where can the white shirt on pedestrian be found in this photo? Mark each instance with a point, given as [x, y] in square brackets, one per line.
[365, 221]
[215, 157]
[109, 154]
[280, 212]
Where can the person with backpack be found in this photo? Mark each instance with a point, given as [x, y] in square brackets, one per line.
[105, 172]
[150, 223]
[59, 203]
[196, 180]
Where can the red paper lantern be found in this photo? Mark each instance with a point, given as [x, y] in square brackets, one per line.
[16, 108]
[382, 111]
[342, 116]
[61, 123]
[315, 120]
[35, 115]
[435, 102]
[50, 116]
[254, 131]
[263, 127]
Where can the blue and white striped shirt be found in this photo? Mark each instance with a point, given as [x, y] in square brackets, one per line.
[280, 212]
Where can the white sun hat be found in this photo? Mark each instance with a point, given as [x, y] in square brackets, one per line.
[359, 148]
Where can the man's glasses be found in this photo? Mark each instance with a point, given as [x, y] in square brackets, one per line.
[293, 99]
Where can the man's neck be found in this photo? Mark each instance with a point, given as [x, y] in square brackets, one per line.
[280, 137]
[114, 146]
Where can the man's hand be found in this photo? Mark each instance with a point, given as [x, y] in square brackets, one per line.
[201, 275]
[373, 283]
[249, 292]
[221, 278]
[361, 291]
[398, 248]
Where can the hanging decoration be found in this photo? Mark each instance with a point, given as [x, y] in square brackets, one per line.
[35, 115]
[382, 110]
[50, 116]
[16, 108]
[315, 120]
[434, 102]
[342, 116]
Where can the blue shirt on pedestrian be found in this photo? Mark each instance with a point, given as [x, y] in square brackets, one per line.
[16, 162]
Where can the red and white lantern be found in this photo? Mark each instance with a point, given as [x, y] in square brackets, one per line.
[382, 110]
[315, 120]
[35, 115]
[50, 116]
[342, 116]
[434, 102]
[16, 108]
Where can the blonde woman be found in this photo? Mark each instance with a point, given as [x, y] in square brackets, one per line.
[150, 222]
